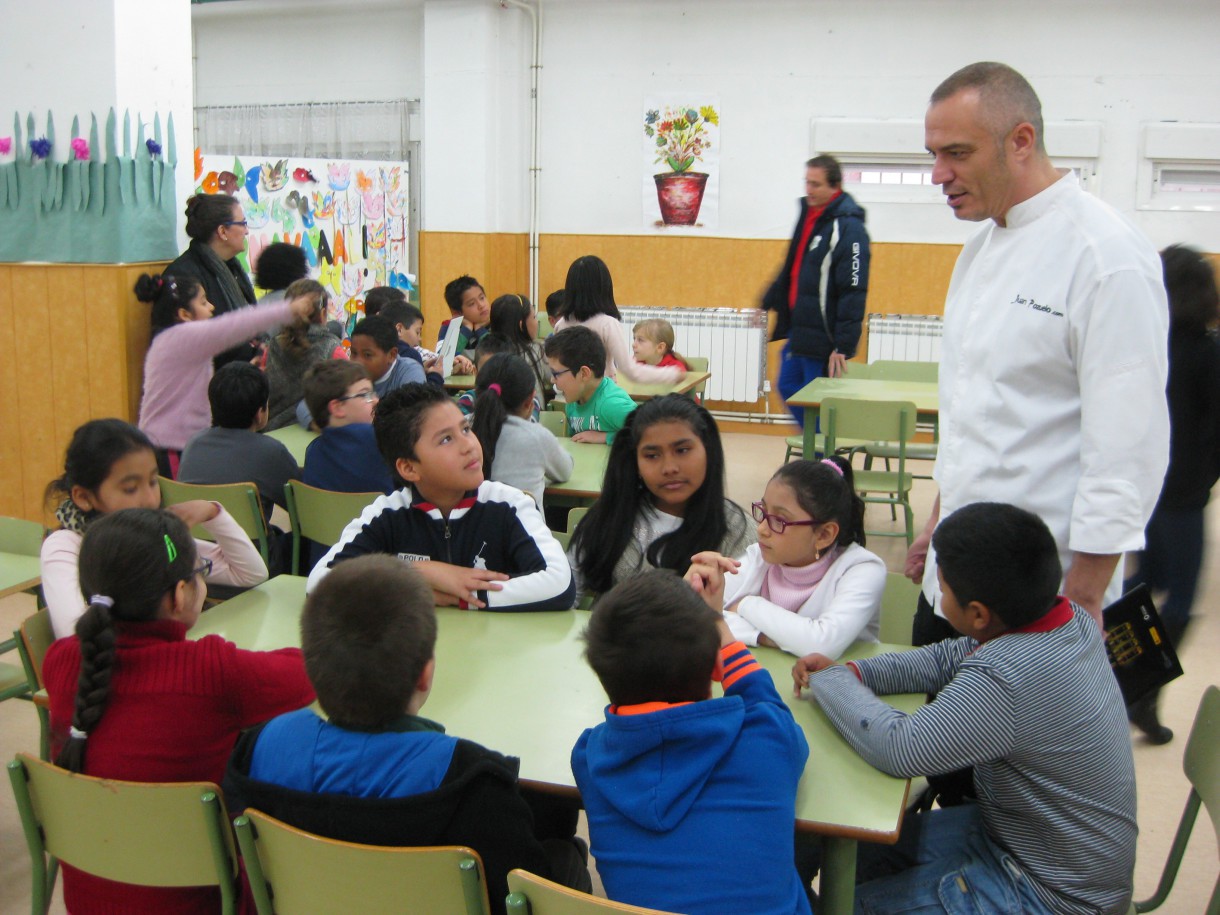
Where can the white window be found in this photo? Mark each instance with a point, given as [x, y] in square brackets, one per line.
[1180, 168]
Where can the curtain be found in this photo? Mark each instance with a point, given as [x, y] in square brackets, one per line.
[322, 130]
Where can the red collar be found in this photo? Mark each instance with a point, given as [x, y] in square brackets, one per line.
[1060, 614]
[644, 708]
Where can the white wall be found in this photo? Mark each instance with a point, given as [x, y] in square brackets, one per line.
[774, 64]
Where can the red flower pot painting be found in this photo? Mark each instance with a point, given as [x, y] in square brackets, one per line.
[680, 196]
[679, 136]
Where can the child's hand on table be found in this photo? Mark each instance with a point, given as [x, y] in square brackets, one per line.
[596, 438]
[451, 584]
[706, 576]
[462, 366]
[196, 511]
[810, 664]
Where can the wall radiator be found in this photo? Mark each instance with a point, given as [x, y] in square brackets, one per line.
[910, 338]
[733, 342]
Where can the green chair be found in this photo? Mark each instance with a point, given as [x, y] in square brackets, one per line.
[898, 602]
[239, 499]
[545, 329]
[21, 538]
[306, 873]
[795, 444]
[146, 833]
[320, 515]
[1201, 763]
[556, 421]
[872, 420]
[697, 364]
[893, 370]
[33, 639]
[574, 516]
[532, 895]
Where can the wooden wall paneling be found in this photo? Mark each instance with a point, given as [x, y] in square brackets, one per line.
[12, 481]
[36, 336]
[71, 381]
[500, 261]
[135, 318]
[107, 357]
[508, 265]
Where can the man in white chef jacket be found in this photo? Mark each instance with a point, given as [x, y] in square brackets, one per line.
[1053, 367]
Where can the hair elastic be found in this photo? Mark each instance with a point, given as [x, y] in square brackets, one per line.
[834, 466]
[77, 733]
[170, 549]
[107, 602]
[494, 386]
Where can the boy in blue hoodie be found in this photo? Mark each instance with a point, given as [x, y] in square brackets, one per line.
[690, 798]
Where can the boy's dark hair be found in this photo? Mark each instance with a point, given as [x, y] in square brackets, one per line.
[327, 381]
[554, 304]
[652, 639]
[455, 289]
[367, 632]
[1001, 556]
[279, 266]
[380, 331]
[377, 298]
[492, 345]
[403, 313]
[1190, 282]
[576, 347]
[399, 420]
[236, 393]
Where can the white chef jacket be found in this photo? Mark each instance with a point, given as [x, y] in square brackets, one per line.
[1052, 375]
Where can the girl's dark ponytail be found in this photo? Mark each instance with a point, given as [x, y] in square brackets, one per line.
[96, 635]
[504, 383]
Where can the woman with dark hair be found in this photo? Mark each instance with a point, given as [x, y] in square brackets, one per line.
[1174, 537]
[588, 299]
[662, 499]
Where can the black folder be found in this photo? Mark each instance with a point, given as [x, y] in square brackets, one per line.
[1140, 653]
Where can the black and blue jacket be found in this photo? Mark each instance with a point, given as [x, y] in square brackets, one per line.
[832, 286]
[494, 527]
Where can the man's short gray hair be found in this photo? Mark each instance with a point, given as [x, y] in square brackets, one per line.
[1006, 98]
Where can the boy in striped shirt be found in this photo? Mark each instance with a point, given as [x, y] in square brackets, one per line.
[1028, 698]
[690, 798]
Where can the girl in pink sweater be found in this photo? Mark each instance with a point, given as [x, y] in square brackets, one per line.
[589, 300]
[178, 366]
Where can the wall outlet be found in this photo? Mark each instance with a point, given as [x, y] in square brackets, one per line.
[767, 386]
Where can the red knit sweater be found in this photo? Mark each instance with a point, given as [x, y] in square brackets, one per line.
[174, 713]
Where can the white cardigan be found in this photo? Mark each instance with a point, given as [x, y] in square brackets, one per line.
[844, 607]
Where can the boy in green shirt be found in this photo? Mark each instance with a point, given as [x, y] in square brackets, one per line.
[596, 406]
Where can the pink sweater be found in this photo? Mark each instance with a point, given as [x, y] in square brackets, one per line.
[178, 368]
[618, 353]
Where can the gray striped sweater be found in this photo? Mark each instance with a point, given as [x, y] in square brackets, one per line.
[1040, 717]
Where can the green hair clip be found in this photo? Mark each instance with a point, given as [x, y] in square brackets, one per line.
[170, 549]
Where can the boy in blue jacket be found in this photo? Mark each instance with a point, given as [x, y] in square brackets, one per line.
[690, 798]
[478, 544]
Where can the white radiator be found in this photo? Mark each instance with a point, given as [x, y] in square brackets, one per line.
[733, 342]
[909, 338]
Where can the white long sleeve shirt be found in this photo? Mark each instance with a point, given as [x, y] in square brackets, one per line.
[845, 606]
[1052, 374]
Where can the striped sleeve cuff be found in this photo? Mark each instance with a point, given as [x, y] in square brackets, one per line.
[736, 662]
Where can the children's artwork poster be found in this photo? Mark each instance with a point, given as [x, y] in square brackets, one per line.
[350, 217]
[681, 159]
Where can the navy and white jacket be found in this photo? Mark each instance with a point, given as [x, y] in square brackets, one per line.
[832, 286]
[494, 527]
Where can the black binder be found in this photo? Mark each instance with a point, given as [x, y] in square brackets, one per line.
[1140, 653]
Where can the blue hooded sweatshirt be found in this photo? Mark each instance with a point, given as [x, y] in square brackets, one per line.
[691, 807]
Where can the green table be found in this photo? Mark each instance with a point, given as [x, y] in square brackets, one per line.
[459, 383]
[639, 391]
[295, 439]
[924, 394]
[516, 682]
[18, 573]
[588, 470]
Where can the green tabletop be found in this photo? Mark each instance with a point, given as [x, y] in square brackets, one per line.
[459, 382]
[648, 391]
[588, 471]
[924, 394]
[517, 683]
[295, 439]
[18, 573]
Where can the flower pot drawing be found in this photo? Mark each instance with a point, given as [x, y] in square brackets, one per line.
[680, 196]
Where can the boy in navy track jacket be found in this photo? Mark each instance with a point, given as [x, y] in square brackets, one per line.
[478, 544]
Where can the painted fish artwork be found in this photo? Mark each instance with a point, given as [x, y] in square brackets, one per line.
[274, 176]
[227, 181]
[303, 175]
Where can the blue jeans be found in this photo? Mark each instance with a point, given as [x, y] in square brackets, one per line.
[944, 863]
[794, 373]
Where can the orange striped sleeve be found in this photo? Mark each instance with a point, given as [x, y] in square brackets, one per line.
[737, 662]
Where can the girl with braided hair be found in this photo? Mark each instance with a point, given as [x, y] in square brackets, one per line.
[131, 698]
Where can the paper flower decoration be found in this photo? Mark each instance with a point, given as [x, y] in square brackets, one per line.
[80, 149]
[6, 145]
[40, 147]
[154, 148]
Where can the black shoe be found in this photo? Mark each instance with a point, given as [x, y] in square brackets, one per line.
[1142, 714]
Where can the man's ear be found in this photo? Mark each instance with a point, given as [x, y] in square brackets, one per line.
[407, 470]
[1021, 141]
